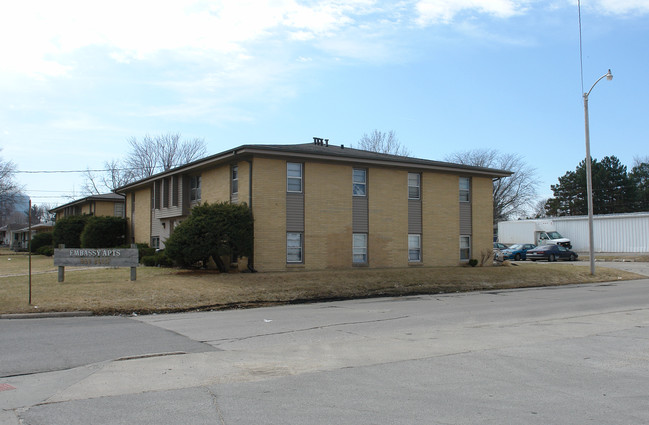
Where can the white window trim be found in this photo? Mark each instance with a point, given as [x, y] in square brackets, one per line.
[467, 191]
[363, 249]
[301, 248]
[364, 183]
[418, 248]
[418, 185]
[300, 178]
[235, 179]
[469, 248]
[195, 191]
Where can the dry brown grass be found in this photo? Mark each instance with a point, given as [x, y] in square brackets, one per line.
[110, 291]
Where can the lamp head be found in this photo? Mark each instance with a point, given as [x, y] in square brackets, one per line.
[609, 76]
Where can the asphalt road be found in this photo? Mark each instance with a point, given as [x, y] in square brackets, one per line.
[573, 354]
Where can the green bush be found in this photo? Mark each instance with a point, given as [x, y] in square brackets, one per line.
[47, 250]
[41, 239]
[473, 262]
[212, 230]
[67, 231]
[157, 259]
[103, 232]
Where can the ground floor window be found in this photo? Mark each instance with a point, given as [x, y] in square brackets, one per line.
[465, 248]
[294, 247]
[359, 248]
[155, 242]
[414, 248]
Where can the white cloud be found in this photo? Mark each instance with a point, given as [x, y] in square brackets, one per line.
[444, 11]
[622, 7]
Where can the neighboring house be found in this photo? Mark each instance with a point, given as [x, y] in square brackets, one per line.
[7, 233]
[319, 206]
[20, 237]
[108, 204]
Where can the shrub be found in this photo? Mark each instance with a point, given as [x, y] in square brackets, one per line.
[212, 230]
[473, 262]
[103, 232]
[40, 240]
[68, 231]
[157, 259]
[47, 250]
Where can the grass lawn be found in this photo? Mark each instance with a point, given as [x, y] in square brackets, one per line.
[110, 291]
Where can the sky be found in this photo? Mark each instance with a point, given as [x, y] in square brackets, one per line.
[78, 79]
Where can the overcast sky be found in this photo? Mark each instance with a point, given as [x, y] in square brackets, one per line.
[78, 78]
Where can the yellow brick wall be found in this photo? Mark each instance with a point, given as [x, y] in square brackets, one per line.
[244, 179]
[440, 219]
[215, 184]
[142, 217]
[104, 208]
[482, 217]
[269, 212]
[327, 216]
[388, 217]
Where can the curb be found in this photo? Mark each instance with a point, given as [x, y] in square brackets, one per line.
[46, 315]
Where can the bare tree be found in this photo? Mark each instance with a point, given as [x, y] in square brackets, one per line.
[161, 153]
[9, 189]
[512, 195]
[147, 157]
[378, 141]
[113, 176]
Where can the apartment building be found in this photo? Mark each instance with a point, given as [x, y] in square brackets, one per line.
[107, 204]
[322, 206]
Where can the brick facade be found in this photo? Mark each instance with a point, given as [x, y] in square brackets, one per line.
[327, 205]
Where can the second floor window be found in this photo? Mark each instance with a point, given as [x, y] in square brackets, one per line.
[465, 189]
[235, 179]
[414, 185]
[195, 188]
[293, 177]
[359, 181]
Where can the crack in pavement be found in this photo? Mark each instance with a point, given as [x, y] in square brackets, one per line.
[302, 330]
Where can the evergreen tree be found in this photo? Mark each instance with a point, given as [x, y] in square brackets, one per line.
[613, 190]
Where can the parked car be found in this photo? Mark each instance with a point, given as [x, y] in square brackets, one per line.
[517, 251]
[498, 245]
[551, 253]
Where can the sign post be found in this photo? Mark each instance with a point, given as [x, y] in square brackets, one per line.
[96, 257]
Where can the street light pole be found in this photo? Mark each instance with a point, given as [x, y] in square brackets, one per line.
[589, 175]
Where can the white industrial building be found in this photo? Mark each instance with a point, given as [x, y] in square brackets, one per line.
[611, 232]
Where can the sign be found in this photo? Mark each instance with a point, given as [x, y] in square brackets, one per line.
[96, 257]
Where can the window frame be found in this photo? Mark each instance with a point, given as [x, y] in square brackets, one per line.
[417, 249]
[195, 188]
[300, 248]
[465, 248]
[418, 186]
[465, 191]
[360, 184]
[234, 179]
[359, 249]
[299, 178]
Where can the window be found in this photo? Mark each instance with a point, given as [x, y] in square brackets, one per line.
[465, 189]
[414, 248]
[293, 177]
[465, 248]
[174, 191]
[119, 210]
[294, 247]
[165, 193]
[235, 179]
[155, 242]
[195, 188]
[414, 184]
[359, 181]
[359, 248]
